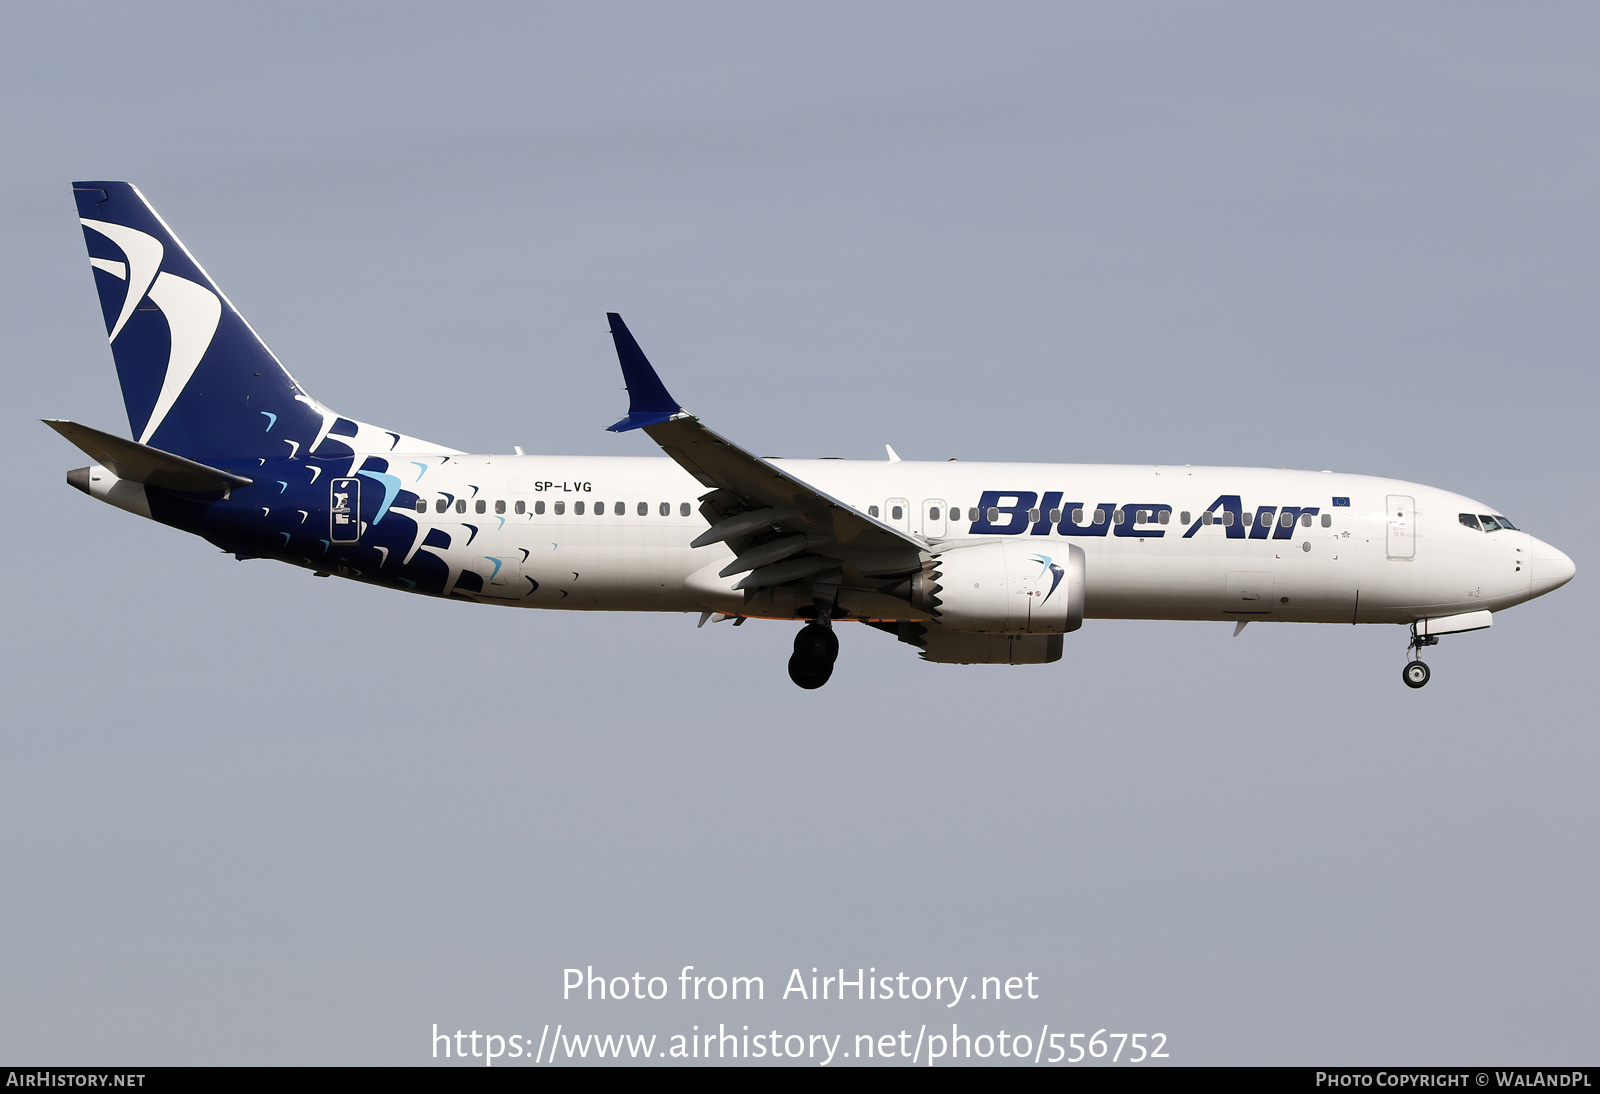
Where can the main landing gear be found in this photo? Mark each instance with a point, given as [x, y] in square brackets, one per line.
[1416, 673]
[816, 648]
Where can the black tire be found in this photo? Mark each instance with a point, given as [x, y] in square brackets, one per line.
[1415, 674]
[817, 644]
[809, 674]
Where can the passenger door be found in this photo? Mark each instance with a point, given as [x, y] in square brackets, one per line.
[1401, 540]
[934, 514]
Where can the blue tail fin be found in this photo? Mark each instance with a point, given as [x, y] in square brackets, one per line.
[196, 379]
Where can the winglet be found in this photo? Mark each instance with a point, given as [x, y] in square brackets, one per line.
[648, 401]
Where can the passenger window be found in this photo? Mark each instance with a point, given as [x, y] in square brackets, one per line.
[1116, 516]
[644, 509]
[1183, 517]
[1055, 516]
[1305, 520]
[1077, 516]
[538, 508]
[440, 506]
[620, 508]
[1285, 520]
[972, 514]
[561, 507]
[1206, 518]
[933, 514]
[1164, 516]
[1099, 516]
[683, 509]
[1327, 520]
[1227, 519]
[1033, 516]
[577, 508]
[480, 506]
[872, 510]
[896, 512]
[994, 513]
[1248, 517]
[666, 508]
[461, 506]
[521, 507]
[422, 505]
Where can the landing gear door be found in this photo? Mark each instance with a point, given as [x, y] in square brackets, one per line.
[1401, 540]
[933, 518]
[344, 510]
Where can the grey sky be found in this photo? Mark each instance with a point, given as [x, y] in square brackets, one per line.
[1361, 237]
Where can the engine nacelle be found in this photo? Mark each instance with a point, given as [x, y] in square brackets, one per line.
[1003, 587]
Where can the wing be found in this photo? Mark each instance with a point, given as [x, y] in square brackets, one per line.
[780, 528]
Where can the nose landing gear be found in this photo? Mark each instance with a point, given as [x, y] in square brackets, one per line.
[816, 648]
[1416, 673]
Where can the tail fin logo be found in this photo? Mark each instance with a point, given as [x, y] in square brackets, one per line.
[192, 310]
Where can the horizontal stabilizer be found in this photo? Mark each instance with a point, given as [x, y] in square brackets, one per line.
[140, 463]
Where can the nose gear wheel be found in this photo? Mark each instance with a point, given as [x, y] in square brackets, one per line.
[1415, 674]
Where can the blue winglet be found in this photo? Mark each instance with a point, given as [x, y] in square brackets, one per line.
[648, 401]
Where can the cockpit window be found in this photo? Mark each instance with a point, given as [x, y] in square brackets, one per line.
[1506, 524]
[1489, 523]
[1470, 521]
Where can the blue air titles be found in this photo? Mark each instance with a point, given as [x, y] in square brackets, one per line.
[1015, 512]
[1027, 511]
[1268, 521]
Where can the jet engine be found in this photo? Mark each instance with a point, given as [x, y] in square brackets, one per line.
[1003, 587]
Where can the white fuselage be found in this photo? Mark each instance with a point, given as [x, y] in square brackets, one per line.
[1374, 551]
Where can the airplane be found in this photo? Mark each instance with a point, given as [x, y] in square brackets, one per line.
[966, 562]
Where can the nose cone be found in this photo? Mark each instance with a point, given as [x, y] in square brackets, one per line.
[1551, 568]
